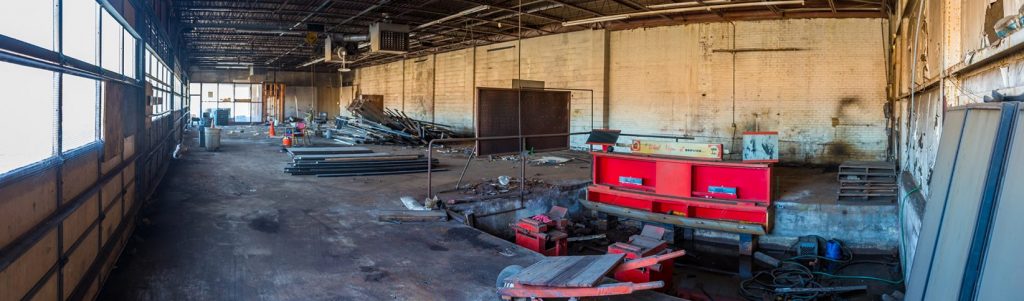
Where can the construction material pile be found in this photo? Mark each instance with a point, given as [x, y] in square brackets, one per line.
[352, 161]
[373, 124]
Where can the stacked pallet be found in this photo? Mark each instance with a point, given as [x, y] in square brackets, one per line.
[353, 161]
[861, 181]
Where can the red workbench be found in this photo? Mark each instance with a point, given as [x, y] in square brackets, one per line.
[692, 190]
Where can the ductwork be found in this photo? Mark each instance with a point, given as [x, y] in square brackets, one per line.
[350, 37]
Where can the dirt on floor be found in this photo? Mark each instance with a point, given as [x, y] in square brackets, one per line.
[231, 225]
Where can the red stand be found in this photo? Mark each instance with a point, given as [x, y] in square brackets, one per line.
[544, 233]
[648, 243]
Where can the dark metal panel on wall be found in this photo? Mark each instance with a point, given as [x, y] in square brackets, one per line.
[543, 112]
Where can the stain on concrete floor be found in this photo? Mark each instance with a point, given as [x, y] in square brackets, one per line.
[230, 225]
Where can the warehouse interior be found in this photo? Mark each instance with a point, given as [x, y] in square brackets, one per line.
[511, 149]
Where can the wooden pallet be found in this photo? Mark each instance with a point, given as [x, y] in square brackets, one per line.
[861, 181]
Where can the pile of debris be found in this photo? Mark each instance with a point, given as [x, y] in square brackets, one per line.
[372, 124]
[353, 161]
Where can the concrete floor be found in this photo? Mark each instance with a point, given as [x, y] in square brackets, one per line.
[230, 225]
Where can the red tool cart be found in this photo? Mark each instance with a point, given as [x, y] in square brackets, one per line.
[544, 233]
[649, 243]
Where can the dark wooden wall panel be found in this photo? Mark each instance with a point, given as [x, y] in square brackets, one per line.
[544, 112]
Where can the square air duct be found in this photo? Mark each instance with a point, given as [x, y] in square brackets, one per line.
[389, 38]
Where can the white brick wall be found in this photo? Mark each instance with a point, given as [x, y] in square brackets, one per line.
[826, 100]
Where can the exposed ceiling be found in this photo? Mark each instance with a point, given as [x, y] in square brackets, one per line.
[272, 34]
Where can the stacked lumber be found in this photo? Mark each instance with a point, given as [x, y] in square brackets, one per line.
[353, 161]
[374, 125]
[867, 181]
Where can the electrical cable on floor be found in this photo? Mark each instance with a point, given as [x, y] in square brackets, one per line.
[792, 273]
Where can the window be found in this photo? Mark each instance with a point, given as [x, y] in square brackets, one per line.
[29, 21]
[30, 97]
[81, 111]
[81, 29]
[227, 92]
[111, 32]
[129, 54]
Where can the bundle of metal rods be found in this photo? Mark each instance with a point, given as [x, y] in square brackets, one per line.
[372, 124]
[348, 162]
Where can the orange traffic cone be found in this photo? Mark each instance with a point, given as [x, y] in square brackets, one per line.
[286, 142]
[271, 131]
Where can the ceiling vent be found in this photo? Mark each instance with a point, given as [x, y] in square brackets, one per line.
[389, 38]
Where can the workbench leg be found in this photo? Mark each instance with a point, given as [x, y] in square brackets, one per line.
[606, 221]
[747, 246]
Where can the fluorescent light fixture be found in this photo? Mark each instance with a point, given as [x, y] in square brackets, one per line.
[456, 15]
[312, 62]
[678, 10]
[687, 4]
[596, 20]
[344, 69]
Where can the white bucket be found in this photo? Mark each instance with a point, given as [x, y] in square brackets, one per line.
[212, 139]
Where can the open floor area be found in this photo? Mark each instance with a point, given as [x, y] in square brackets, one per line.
[519, 150]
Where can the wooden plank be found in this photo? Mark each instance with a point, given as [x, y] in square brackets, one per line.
[412, 216]
[568, 271]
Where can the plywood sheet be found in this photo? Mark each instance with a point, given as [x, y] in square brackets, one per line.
[544, 112]
[112, 190]
[49, 290]
[129, 196]
[18, 278]
[79, 174]
[112, 220]
[79, 261]
[1003, 258]
[78, 221]
[25, 203]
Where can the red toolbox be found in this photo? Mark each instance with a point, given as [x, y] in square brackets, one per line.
[727, 191]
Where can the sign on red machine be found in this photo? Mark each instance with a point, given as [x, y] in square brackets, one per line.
[730, 196]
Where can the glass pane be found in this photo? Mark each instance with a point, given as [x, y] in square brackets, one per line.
[112, 32]
[257, 112]
[226, 91]
[194, 105]
[243, 92]
[240, 111]
[194, 89]
[81, 29]
[29, 21]
[209, 92]
[81, 111]
[129, 55]
[30, 93]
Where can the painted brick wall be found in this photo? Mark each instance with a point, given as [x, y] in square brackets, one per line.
[825, 98]
[418, 88]
[453, 94]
